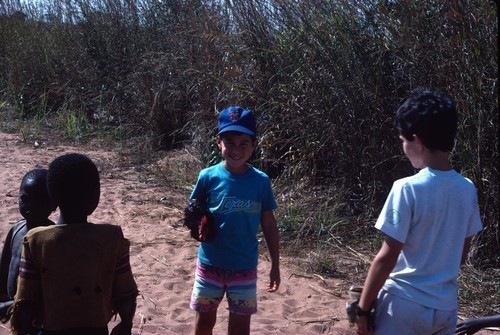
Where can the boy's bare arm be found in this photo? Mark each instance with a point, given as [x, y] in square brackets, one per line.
[271, 234]
[381, 267]
[126, 310]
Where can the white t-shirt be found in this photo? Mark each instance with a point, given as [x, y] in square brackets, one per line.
[431, 213]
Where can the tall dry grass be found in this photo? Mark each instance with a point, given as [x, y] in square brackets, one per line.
[324, 78]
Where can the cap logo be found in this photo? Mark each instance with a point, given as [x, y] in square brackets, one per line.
[234, 116]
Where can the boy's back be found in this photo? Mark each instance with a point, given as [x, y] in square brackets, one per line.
[77, 280]
[431, 213]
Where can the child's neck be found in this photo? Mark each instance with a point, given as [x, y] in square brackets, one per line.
[72, 219]
[236, 170]
[37, 222]
[438, 160]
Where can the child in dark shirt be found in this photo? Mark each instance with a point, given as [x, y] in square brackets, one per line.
[35, 205]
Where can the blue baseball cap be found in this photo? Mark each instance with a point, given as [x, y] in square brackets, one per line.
[238, 119]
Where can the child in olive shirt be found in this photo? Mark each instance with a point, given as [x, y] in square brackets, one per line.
[75, 275]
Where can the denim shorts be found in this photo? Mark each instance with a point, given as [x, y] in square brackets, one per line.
[211, 283]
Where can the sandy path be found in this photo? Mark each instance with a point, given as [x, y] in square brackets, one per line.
[163, 256]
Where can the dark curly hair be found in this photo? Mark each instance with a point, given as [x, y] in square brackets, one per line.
[73, 182]
[432, 116]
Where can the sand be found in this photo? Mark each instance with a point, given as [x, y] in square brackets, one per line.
[163, 255]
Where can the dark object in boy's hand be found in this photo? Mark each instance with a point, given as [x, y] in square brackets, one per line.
[473, 325]
[199, 220]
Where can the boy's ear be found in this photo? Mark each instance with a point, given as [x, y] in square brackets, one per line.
[419, 141]
[218, 141]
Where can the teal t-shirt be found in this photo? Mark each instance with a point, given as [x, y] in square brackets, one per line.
[237, 202]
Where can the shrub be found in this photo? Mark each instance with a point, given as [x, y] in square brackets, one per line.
[324, 78]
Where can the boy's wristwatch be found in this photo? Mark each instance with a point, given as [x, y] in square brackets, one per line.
[362, 312]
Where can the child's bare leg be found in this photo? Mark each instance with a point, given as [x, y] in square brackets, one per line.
[205, 322]
[239, 324]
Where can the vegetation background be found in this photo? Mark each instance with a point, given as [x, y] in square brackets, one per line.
[324, 78]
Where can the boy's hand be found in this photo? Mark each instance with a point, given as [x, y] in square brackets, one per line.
[122, 329]
[21, 321]
[365, 320]
[275, 280]
[364, 327]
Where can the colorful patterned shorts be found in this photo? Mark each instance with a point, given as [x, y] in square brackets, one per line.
[211, 283]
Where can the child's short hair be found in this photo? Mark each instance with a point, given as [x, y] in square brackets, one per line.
[432, 116]
[40, 177]
[73, 182]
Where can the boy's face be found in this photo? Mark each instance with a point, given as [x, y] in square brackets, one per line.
[413, 150]
[34, 201]
[236, 149]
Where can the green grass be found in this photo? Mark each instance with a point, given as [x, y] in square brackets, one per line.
[479, 291]
[76, 124]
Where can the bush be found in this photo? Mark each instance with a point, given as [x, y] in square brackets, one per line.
[323, 77]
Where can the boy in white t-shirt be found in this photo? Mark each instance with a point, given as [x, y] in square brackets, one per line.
[428, 220]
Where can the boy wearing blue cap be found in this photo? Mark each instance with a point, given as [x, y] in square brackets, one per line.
[240, 198]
